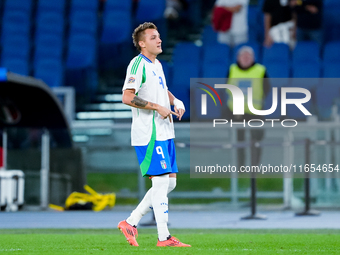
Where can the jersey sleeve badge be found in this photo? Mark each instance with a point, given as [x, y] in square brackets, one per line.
[131, 80]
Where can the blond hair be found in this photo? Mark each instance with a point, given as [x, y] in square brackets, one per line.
[139, 32]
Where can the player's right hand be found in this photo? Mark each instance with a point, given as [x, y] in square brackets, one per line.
[165, 112]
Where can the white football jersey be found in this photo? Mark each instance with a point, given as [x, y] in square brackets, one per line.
[148, 81]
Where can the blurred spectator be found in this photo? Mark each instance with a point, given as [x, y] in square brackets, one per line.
[238, 32]
[244, 74]
[308, 20]
[278, 22]
[173, 8]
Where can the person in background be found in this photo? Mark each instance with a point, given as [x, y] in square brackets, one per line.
[308, 20]
[247, 73]
[173, 8]
[278, 22]
[238, 32]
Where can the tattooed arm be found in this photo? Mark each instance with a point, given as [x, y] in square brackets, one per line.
[130, 98]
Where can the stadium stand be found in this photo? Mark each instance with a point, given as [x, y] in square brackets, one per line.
[278, 70]
[116, 27]
[50, 23]
[48, 46]
[16, 47]
[116, 32]
[118, 5]
[279, 52]
[51, 71]
[306, 51]
[331, 69]
[16, 65]
[81, 63]
[209, 35]
[18, 5]
[52, 26]
[150, 10]
[46, 6]
[331, 52]
[215, 62]
[14, 23]
[306, 70]
[186, 65]
[84, 21]
[88, 5]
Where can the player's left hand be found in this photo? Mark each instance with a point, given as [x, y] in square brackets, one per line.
[179, 108]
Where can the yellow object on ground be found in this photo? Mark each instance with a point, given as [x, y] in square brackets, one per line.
[84, 201]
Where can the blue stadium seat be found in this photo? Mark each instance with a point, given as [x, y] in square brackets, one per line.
[15, 22]
[81, 52]
[15, 17]
[81, 63]
[50, 23]
[332, 52]
[84, 21]
[216, 51]
[254, 45]
[186, 52]
[88, 5]
[278, 52]
[278, 70]
[182, 72]
[48, 46]
[18, 5]
[186, 65]
[150, 10]
[209, 35]
[115, 40]
[180, 87]
[118, 5]
[331, 70]
[307, 70]
[16, 47]
[51, 71]
[116, 27]
[51, 6]
[306, 51]
[215, 60]
[16, 65]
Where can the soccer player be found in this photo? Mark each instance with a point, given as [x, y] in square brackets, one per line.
[152, 132]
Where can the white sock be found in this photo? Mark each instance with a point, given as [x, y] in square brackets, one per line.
[172, 184]
[159, 200]
[145, 205]
[143, 208]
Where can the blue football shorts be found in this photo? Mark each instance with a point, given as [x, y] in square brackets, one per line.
[157, 158]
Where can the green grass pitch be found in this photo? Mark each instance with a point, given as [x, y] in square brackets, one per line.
[203, 241]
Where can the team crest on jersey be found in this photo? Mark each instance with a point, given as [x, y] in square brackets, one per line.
[131, 80]
[163, 163]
